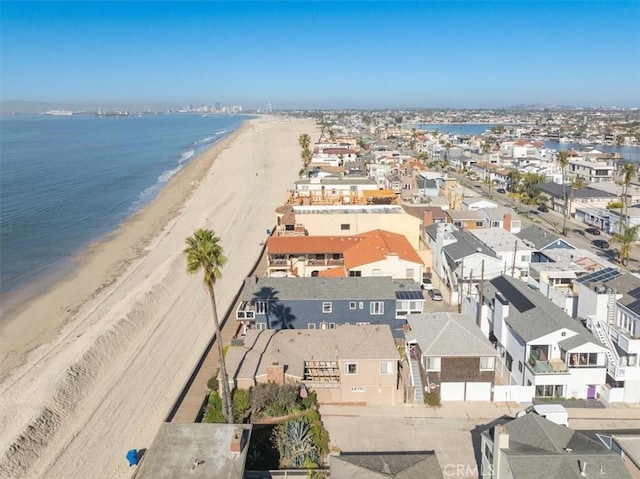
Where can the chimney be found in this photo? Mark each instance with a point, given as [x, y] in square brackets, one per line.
[236, 441]
[275, 373]
[500, 441]
[506, 222]
[428, 217]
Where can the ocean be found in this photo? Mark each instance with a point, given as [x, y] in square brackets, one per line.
[66, 181]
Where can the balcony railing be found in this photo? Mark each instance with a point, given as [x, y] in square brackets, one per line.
[555, 366]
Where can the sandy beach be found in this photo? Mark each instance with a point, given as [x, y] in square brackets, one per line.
[91, 367]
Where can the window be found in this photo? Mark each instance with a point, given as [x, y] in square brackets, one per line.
[632, 359]
[495, 224]
[409, 273]
[458, 224]
[327, 307]
[261, 307]
[386, 367]
[487, 364]
[508, 362]
[261, 326]
[524, 258]
[376, 307]
[358, 389]
[550, 391]
[432, 364]
[520, 366]
[332, 325]
[351, 368]
[361, 305]
[488, 453]
[581, 360]
[479, 224]
[345, 226]
[311, 326]
[352, 305]
[355, 274]
[376, 272]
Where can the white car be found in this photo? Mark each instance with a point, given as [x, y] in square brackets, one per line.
[426, 284]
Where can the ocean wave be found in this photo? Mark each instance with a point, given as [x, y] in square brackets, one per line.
[221, 132]
[206, 140]
[186, 156]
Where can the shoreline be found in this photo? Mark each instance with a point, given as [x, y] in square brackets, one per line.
[23, 311]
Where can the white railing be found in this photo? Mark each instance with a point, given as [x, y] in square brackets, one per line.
[613, 360]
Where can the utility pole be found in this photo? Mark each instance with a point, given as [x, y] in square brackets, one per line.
[513, 265]
[481, 296]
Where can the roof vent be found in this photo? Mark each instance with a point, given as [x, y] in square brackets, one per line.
[568, 450]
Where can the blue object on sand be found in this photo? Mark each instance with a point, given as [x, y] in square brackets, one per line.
[132, 457]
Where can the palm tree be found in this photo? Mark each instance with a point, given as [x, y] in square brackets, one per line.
[204, 252]
[563, 160]
[627, 236]
[304, 140]
[629, 172]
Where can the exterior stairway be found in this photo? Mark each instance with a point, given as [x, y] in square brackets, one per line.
[416, 379]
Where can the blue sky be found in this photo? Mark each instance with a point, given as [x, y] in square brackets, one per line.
[459, 54]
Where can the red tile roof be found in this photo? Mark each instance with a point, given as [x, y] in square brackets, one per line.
[310, 244]
[376, 246]
[338, 272]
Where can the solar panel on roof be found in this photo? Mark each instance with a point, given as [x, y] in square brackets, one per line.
[599, 276]
[409, 294]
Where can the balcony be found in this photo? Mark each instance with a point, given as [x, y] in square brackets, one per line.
[553, 366]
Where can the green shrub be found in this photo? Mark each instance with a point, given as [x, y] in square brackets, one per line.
[272, 399]
[241, 404]
[432, 399]
[213, 412]
[310, 401]
[213, 384]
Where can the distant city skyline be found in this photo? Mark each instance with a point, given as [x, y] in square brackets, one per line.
[315, 55]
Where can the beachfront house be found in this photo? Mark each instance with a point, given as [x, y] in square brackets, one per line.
[351, 364]
[325, 303]
[449, 356]
[375, 253]
[347, 220]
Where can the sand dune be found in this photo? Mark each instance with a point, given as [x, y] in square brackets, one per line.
[111, 345]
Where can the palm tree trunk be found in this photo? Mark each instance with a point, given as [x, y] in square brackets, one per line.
[224, 379]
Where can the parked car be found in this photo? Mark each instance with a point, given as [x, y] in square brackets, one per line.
[501, 190]
[426, 284]
[593, 231]
[435, 294]
[602, 244]
[543, 208]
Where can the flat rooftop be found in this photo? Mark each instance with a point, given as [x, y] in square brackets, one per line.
[196, 451]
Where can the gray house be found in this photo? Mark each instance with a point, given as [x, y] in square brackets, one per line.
[532, 446]
[324, 302]
[540, 240]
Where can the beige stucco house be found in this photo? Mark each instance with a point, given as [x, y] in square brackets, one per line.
[351, 364]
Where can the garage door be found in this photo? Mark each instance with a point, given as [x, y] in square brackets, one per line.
[452, 392]
[478, 392]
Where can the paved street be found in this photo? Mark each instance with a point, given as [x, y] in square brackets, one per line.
[552, 221]
[451, 431]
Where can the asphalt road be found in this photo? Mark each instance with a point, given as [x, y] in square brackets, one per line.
[553, 221]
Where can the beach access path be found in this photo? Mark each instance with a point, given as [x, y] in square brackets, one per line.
[126, 328]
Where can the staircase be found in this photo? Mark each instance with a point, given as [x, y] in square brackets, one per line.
[416, 380]
[613, 360]
[611, 309]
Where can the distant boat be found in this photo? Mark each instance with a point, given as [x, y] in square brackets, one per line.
[112, 113]
[58, 112]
